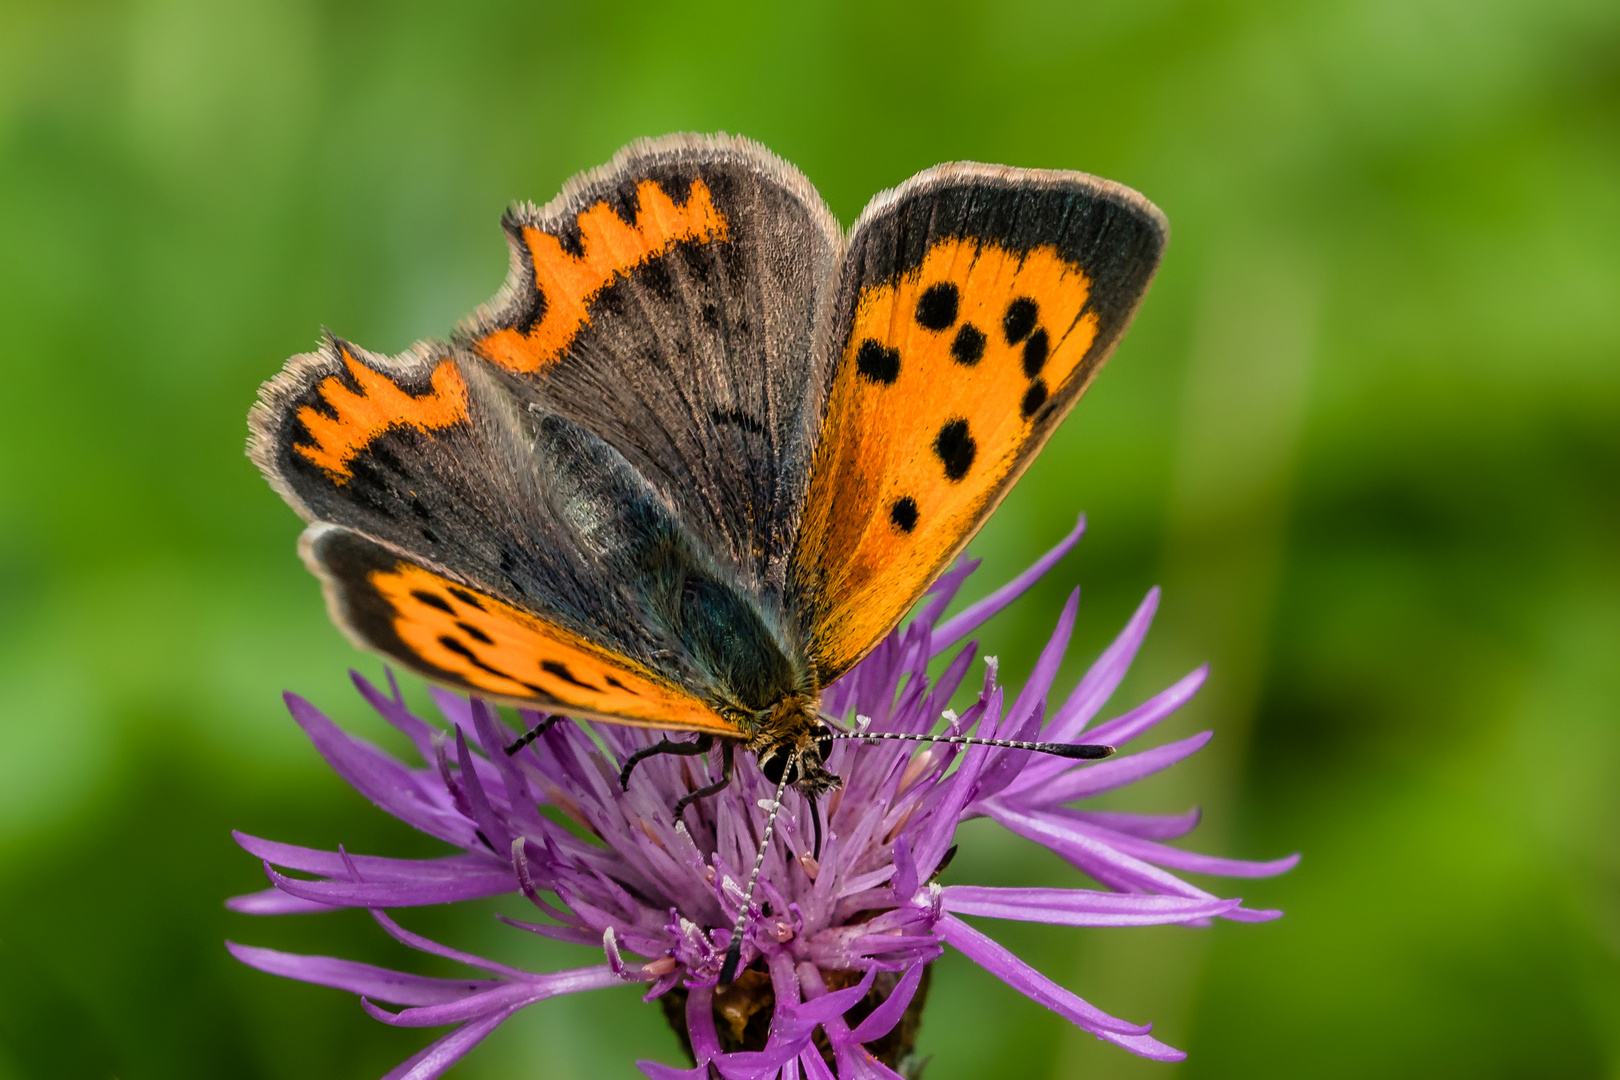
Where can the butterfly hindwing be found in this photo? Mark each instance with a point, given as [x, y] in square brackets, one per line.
[974, 306]
[664, 302]
[456, 634]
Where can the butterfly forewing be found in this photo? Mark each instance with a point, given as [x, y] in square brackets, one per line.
[974, 306]
[667, 303]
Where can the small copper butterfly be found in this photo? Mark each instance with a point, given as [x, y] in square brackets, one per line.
[704, 449]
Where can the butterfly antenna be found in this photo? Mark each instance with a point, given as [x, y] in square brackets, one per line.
[728, 970]
[1079, 751]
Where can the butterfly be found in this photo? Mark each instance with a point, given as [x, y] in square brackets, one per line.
[704, 449]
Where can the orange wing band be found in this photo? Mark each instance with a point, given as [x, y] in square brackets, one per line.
[942, 383]
[610, 248]
[502, 651]
[379, 406]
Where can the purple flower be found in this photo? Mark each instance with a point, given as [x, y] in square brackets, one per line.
[837, 948]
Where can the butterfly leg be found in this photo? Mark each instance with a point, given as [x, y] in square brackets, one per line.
[728, 762]
[533, 733]
[696, 748]
[815, 817]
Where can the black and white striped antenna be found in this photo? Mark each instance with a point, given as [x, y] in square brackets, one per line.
[1078, 751]
[728, 970]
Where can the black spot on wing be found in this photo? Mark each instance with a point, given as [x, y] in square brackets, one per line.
[611, 681]
[737, 418]
[956, 448]
[560, 670]
[476, 634]
[878, 363]
[1034, 398]
[936, 310]
[903, 514]
[1019, 320]
[467, 654]
[433, 600]
[967, 348]
[1035, 350]
[466, 598]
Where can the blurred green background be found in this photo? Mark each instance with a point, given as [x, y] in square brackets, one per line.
[1366, 432]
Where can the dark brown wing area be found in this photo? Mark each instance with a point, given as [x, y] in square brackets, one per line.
[667, 303]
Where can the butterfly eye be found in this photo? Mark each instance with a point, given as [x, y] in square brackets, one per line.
[824, 744]
[773, 763]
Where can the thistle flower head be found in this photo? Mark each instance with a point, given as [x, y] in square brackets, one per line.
[836, 948]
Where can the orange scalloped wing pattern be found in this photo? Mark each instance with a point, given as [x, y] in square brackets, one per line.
[381, 405]
[610, 247]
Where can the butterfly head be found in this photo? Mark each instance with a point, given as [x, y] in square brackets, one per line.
[792, 742]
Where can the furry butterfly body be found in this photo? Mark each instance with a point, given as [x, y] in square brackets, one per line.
[704, 450]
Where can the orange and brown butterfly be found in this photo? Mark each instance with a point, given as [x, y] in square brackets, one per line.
[705, 449]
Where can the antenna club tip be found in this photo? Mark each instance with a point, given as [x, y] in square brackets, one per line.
[1082, 751]
[728, 970]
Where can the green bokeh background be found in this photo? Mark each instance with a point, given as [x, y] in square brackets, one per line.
[1366, 432]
